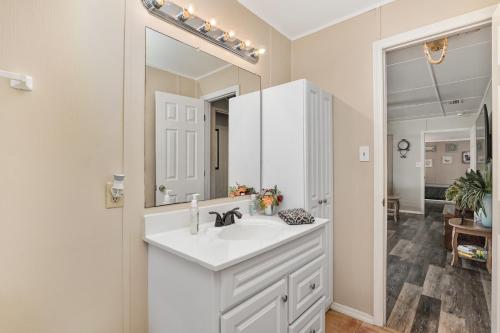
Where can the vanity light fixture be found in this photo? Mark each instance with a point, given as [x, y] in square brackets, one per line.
[185, 18]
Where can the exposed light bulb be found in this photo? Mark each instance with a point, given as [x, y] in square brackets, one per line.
[248, 43]
[158, 3]
[231, 33]
[213, 22]
[190, 9]
[261, 51]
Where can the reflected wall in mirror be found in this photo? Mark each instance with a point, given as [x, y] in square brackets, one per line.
[202, 124]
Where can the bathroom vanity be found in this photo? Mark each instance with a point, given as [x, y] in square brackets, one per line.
[258, 275]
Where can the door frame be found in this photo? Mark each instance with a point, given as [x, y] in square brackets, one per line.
[209, 98]
[460, 23]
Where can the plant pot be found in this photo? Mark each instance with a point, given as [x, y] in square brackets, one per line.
[486, 212]
[269, 210]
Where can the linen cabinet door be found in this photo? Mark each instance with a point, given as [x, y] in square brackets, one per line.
[265, 312]
[326, 154]
[313, 150]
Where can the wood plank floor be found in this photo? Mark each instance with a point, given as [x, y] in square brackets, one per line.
[424, 293]
[339, 323]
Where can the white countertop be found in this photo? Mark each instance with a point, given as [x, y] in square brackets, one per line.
[219, 248]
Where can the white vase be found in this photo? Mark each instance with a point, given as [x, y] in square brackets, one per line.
[269, 210]
[485, 213]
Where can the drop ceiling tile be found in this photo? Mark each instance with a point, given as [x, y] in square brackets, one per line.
[419, 96]
[414, 112]
[463, 89]
[465, 63]
[408, 76]
[468, 104]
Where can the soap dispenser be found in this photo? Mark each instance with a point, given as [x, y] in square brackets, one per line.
[194, 215]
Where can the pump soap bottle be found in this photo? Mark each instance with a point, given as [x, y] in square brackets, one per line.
[194, 215]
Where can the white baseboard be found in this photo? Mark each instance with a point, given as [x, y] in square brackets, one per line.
[410, 211]
[356, 314]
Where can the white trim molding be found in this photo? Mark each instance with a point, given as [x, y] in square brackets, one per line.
[454, 25]
[351, 312]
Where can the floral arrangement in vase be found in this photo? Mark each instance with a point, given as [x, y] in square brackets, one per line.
[269, 199]
[239, 190]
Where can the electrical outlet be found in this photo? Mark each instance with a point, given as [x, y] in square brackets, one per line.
[110, 203]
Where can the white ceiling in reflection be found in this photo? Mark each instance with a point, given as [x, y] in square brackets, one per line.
[170, 55]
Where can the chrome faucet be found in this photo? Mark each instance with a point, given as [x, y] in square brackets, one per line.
[227, 218]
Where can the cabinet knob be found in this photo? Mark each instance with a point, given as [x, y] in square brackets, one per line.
[325, 201]
[284, 298]
[312, 330]
[312, 286]
[320, 202]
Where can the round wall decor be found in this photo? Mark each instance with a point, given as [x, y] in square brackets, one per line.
[403, 147]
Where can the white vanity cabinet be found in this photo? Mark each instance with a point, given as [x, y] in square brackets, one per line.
[297, 153]
[279, 290]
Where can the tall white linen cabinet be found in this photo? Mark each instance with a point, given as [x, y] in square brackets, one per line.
[297, 154]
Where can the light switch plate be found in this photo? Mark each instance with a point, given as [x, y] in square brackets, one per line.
[110, 203]
[364, 153]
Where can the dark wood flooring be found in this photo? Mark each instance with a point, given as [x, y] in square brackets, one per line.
[426, 294]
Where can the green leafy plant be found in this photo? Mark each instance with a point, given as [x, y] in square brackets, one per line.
[469, 191]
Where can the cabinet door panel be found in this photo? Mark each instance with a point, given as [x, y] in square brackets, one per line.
[326, 153]
[265, 312]
[313, 149]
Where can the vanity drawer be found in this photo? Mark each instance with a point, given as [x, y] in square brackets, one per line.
[249, 277]
[312, 321]
[306, 286]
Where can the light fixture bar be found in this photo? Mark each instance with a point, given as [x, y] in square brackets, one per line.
[172, 13]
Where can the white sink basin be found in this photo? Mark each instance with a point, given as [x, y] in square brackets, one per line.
[251, 230]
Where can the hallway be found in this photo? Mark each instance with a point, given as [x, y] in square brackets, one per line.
[426, 294]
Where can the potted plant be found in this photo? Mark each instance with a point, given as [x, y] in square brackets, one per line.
[269, 199]
[473, 191]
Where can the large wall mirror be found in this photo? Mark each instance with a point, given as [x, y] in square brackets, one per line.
[202, 124]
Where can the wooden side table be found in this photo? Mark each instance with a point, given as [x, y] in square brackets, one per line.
[393, 207]
[469, 227]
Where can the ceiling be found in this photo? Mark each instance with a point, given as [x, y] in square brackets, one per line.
[170, 55]
[298, 18]
[460, 81]
[458, 135]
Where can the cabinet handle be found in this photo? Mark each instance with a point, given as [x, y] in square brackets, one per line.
[312, 286]
[325, 201]
[320, 202]
[284, 298]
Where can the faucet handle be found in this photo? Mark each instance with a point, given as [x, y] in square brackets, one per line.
[218, 219]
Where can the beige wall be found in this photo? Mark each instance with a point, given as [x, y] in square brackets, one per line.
[60, 249]
[69, 264]
[445, 174]
[339, 59]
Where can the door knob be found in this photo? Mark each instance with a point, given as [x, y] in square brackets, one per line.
[284, 298]
[325, 201]
[320, 202]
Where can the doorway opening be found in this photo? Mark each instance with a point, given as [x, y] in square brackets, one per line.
[219, 147]
[418, 285]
